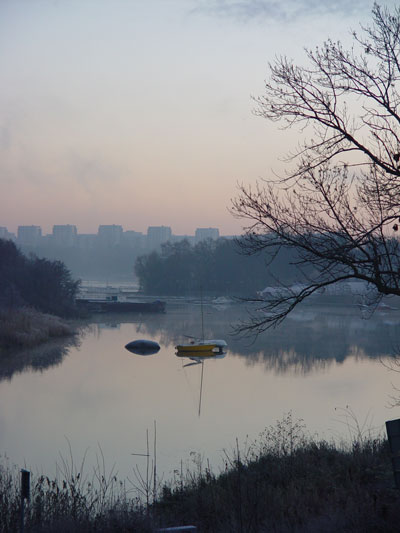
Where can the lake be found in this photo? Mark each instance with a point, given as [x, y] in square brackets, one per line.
[98, 398]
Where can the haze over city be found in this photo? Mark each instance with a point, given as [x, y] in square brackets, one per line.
[140, 113]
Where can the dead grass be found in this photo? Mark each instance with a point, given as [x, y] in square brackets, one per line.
[285, 482]
[288, 481]
[25, 327]
[73, 502]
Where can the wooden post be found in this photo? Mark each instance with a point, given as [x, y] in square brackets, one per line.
[393, 433]
[25, 495]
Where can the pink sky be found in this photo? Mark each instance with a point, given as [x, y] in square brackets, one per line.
[140, 113]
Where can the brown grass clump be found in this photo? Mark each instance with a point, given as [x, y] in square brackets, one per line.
[76, 501]
[26, 327]
[285, 482]
[288, 482]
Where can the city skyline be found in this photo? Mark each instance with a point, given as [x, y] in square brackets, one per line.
[67, 237]
[54, 227]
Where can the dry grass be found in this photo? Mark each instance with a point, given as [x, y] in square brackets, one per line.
[289, 482]
[285, 482]
[72, 502]
[26, 327]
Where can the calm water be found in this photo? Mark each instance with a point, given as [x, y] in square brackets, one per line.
[98, 394]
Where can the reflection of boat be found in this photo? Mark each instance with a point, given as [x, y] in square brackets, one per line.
[199, 360]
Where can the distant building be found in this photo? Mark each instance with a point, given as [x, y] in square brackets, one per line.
[110, 235]
[157, 235]
[86, 241]
[47, 240]
[29, 235]
[64, 235]
[206, 233]
[5, 234]
[134, 239]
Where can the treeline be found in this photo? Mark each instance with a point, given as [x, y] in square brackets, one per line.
[35, 282]
[216, 267]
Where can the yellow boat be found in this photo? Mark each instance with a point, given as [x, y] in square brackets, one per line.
[195, 348]
[196, 356]
[200, 346]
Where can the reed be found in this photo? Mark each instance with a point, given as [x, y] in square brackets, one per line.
[26, 327]
[289, 481]
[284, 481]
[72, 501]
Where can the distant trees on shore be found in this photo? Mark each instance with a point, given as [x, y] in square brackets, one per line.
[31, 281]
[216, 267]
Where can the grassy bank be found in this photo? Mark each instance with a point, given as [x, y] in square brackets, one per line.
[314, 487]
[284, 482]
[25, 327]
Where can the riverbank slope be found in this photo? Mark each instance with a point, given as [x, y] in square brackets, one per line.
[26, 327]
[286, 482]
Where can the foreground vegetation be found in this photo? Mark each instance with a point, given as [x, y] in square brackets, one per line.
[286, 481]
[25, 327]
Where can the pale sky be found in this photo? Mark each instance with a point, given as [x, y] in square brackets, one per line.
[139, 112]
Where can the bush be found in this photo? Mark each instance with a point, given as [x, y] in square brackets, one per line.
[25, 327]
[40, 283]
[286, 481]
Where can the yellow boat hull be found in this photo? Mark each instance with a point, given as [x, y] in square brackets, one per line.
[195, 348]
[198, 356]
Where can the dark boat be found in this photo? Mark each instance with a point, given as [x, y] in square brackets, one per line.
[143, 347]
[113, 305]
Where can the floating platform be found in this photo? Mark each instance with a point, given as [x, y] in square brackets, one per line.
[116, 306]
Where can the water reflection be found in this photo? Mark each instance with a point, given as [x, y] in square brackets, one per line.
[195, 360]
[36, 359]
[104, 394]
[311, 339]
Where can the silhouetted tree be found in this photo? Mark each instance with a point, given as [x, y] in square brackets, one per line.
[40, 283]
[12, 269]
[48, 285]
[338, 206]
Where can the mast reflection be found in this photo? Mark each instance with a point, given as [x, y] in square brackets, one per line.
[199, 360]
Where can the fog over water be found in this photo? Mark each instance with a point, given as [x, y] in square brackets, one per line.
[93, 393]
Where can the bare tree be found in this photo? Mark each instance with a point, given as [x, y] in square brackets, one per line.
[339, 204]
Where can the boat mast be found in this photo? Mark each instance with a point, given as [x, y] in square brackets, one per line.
[202, 315]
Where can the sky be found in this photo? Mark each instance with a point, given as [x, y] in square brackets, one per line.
[140, 112]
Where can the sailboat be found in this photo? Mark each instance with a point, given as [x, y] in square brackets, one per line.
[201, 346]
[196, 347]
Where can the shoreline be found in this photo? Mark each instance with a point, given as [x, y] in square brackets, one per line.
[26, 327]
